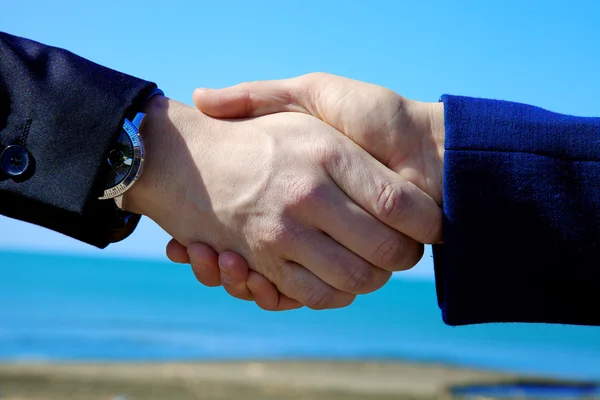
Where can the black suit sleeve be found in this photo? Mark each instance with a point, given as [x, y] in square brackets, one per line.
[66, 112]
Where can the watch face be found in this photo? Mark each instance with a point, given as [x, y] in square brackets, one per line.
[124, 160]
[120, 160]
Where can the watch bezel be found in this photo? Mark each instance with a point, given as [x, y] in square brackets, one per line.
[132, 130]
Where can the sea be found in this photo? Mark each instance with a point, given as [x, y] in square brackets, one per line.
[58, 308]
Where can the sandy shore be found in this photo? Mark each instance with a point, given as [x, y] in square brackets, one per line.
[234, 380]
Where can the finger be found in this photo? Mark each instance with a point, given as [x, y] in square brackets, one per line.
[234, 275]
[204, 264]
[366, 236]
[298, 283]
[336, 265]
[177, 252]
[252, 99]
[267, 296]
[384, 194]
[263, 292]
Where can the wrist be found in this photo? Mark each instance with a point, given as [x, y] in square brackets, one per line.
[170, 133]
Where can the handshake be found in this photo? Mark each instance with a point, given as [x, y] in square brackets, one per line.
[299, 192]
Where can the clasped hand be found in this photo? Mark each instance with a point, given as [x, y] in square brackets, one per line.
[313, 190]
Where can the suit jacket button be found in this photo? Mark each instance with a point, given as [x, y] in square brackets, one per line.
[14, 160]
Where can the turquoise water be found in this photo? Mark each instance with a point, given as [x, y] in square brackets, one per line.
[57, 307]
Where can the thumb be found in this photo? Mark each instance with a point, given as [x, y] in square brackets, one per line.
[252, 99]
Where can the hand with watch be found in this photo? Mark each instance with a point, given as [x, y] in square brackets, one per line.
[284, 191]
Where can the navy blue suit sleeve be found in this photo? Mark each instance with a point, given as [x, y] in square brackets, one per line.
[66, 112]
[522, 215]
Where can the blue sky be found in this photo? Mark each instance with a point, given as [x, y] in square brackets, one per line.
[545, 53]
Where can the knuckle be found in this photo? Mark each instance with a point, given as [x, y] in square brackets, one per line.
[245, 86]
[320, 298]
[292, 234]
[332, 155]
[309, 88]
[390, 253]
[276, 272]
[314, 76]
[359, 281]
[392, 203]
[246, 89]
[285, 235]
[307, 195]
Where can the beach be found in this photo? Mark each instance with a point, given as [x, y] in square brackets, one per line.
[247, 380]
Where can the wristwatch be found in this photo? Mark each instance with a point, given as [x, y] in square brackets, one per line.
[126, 158]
